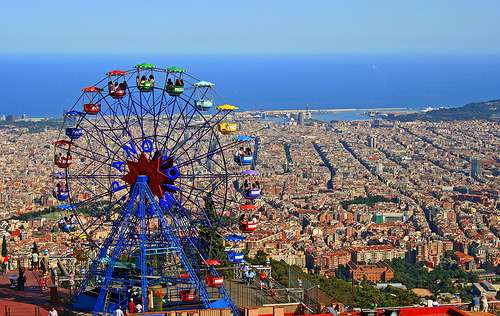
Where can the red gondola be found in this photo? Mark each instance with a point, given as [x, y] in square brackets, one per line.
[117, 73]
[247, 227]
[186, 296]
[117, 94]
[61, 143]
[213, 281]
[62, 162]
[185, 275]
[248, 207]
[213, 262]
[91, 89]
[91, 108]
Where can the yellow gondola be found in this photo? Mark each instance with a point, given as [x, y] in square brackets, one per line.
[228, 128]
[79, 235]
[227, 107]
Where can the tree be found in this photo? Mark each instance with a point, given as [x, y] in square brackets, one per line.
[260, 257]
[4, 247]
[35, 247]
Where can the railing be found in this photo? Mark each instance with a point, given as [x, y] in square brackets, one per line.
[22, 310]
[194, 312]
[279, 292]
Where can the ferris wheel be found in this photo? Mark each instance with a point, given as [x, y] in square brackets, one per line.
[142, 166]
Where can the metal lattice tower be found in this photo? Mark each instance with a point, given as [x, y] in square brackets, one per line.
[145, 234]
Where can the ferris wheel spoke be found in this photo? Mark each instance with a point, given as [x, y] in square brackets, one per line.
[157, 116]
[172, 128]
[214, 152]
[126, 113]
[209, 175]
[181, 112]
[114, 114]
[201, 211]
[194, 111]
[117, 143]
[94, 198]
[92, 176]
[206, 131]
[109, 212]
[83, 153]
[204, 190]
[96, 161]
[85, 185]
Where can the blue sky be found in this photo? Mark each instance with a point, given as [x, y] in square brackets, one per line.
[256, 26]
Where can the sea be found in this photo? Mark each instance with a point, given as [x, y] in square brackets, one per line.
[42, 85]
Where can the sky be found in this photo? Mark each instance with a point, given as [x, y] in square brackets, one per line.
[251, 27]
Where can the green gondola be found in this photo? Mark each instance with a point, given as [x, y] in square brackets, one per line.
[175, 90]
[145, 66]
[146, 86]
[177, 70]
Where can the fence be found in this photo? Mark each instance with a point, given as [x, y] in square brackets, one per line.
[16, 309]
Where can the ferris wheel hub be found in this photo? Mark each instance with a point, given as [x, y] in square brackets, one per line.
[142, 178]
[146, 170]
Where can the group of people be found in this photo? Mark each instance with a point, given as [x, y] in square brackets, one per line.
[178, 83]
[132, 307]
[264, 280]
[247, 186]
[116, 87]
[67, 224]
[243, 218]
[145, 81]
[242, 152]
[60, 188]
[59, 158]
[479, 304]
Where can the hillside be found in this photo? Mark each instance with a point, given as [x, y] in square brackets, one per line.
[489, 110]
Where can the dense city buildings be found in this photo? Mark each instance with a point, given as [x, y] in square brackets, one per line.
[353, 195]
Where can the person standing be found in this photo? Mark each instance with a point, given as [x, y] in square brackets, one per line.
[34, 261]
[53, 312]
[484, 304]
[131, 306]
[138, 308]
[54, 276]
[119, 312]
[475, 303]
[21, 280]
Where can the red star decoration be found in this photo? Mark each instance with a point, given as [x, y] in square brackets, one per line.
[149, 168]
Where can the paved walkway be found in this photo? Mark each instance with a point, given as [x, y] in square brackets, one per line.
[26, 302]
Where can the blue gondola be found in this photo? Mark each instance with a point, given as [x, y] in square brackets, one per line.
[59, 175]
[73, 113]
[235, 257]
[243, 138]
[74, 133]
[66, 207]
[234, 238]
[252, 194]
[245, 160]
[62, 195]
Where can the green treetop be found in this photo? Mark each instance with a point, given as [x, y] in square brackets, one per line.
[4, 247]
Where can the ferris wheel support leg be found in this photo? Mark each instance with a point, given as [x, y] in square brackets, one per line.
[184, 224]
[102, 254]
[169, 235]
[142, 253]
[121, 229]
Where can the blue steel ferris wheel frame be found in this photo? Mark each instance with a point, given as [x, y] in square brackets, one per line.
[167, 129]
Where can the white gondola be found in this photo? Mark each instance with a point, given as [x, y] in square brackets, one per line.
[205, 96]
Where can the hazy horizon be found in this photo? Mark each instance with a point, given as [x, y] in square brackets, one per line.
[266, 82]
